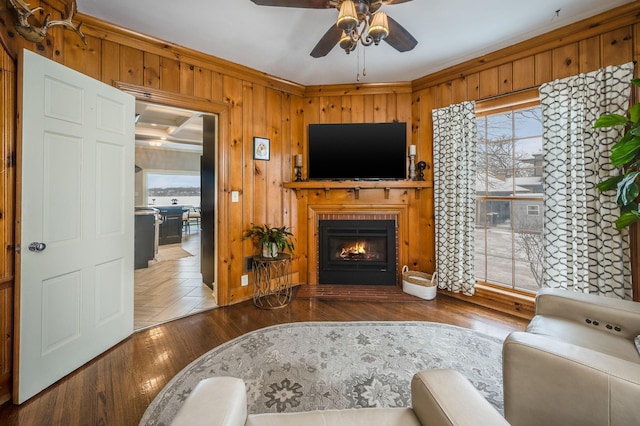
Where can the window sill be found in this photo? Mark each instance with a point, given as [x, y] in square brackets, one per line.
[514, 303]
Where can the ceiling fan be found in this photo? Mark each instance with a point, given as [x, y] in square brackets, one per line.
[358, 21]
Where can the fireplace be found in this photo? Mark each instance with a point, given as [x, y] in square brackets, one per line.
[357, 252]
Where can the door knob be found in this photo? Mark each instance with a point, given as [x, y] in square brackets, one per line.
[37, 247]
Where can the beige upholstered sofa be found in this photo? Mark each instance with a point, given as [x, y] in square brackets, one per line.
[439, 398]
[576, 364]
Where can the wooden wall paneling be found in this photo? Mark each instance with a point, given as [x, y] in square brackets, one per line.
[617, 46]
[245, 183]
[392, 107]
[7, 218]
[298, 146]
[230, 227]
[380, 108]
[543, 67]
[131, 65]
[110, 62]
[505, 78]
[7, 165]
[443, 94]
[151, 73]
[473, 86]
[524, 73]
[289, 202]
[85, 59]
[345, 111]
[489, 85]
[6, 340]
[260, 195]
[458, 90]
[357, 108]
[368, 108]
[202, 83]
[186, 79]
[415, 125]
[427, 243]
[330, 109]
[427, 105]
[565, 61]
[169, 75]
[216, 86]
[589, 54]
[273, 167]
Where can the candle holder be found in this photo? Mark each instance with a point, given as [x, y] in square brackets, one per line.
[298, 174]
[412, 167]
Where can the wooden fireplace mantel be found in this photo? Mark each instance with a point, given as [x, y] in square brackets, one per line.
[409, 202]
[357, 185]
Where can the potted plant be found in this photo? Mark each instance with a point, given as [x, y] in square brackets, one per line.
[625, 154]
[272, 240]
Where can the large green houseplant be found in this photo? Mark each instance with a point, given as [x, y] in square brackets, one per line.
[625, 155]
[271, 239]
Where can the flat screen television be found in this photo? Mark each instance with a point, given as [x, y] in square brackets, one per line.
[358, 151]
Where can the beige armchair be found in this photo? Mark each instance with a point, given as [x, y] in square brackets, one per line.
[576, 364]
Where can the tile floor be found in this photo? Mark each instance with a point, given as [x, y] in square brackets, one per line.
[171, 289]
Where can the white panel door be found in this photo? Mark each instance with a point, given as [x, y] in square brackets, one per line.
[75, 282]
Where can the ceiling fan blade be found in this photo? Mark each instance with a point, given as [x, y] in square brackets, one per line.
[399, 38]
[309, 4]
[327, 42]
[394, 1]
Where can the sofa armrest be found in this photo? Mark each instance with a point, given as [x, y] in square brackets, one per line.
[579, 307]
[216, 401]
[446, 397]
[547, 381]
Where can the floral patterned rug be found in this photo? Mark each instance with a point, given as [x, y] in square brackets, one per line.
[322, 365]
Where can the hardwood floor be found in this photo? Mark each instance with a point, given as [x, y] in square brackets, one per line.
[117, 387]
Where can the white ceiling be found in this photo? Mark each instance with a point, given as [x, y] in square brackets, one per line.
[164, 127]
[277, 40]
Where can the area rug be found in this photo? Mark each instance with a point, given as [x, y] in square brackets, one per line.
[323, 365]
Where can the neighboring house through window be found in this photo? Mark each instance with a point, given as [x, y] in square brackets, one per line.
[508, 240]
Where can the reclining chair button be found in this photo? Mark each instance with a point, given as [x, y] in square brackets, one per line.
[588, 321]
[596, 323]
[609, 327]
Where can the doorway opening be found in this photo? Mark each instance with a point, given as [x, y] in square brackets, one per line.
[172, 187]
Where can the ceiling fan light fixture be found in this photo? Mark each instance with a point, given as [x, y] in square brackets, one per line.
[347, 42]
[348, 18]
[379, 28]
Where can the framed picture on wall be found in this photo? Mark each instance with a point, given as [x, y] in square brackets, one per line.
[260, 148]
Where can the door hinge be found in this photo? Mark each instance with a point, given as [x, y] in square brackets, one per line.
[11, 160]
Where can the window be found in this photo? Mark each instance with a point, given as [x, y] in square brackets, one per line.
[164, 187]
[533, 210]
[508, 248]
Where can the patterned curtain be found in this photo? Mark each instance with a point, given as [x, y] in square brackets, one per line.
[454, 166]
[583, 251]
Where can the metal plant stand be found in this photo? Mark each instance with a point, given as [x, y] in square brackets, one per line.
[271, 281]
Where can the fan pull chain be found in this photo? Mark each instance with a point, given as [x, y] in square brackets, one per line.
[364, 63]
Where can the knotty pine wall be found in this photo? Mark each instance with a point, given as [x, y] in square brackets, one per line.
[251, 103]
[611, 38]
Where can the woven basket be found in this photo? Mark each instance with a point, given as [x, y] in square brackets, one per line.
[419, 284]
[417, 277]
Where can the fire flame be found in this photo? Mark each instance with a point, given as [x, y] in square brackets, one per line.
[358, 248]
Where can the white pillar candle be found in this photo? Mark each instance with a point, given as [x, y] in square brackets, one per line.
[412, 150]
[299, 160]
